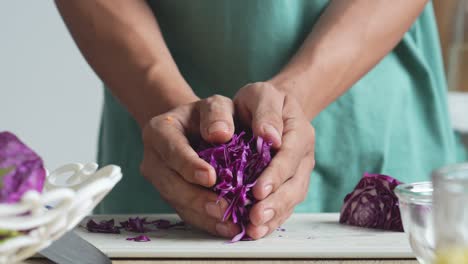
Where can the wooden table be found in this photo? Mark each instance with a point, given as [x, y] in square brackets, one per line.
[227, 261]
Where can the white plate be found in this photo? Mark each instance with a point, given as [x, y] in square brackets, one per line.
[305, 236]
[73, 190]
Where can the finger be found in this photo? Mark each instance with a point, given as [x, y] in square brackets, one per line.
[298, 141]
[165, 134]
[210, 225]
[286, 198]
[216, 119]
[257, 232]
[189, 200]
[267, 118]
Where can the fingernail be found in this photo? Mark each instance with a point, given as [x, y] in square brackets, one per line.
[218, 126]
[268, 189]
[213, 209]
[268, 215]
[223, 230]
[262, 230]
[269, 129]
[201, 176]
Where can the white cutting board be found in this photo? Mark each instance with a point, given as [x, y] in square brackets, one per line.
[305, 236]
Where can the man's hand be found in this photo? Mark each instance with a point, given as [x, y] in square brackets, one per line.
[278, 118]
[174, 168]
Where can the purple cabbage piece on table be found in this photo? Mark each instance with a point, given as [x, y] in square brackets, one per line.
[21, 169]
[132, 224]
[373, 204]
[140, 238]
[162, 224]
[104, 226]
[136, 225]
[238, 164]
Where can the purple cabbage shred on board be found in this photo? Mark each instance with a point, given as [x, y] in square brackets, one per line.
[136, 225]
[104, 226]
[162, 224]
[373, 204]
[21, 169]
[140, 238]
[132, 224]
[238, 164]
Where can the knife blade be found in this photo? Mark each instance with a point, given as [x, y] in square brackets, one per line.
[71, 249]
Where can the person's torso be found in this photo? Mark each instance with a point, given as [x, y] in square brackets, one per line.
[394, 120]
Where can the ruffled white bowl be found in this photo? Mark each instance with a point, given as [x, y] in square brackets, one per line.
[72, 190]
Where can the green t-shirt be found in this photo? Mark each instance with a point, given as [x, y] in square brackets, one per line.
[392, 121]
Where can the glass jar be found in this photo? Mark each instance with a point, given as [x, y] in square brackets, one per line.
[415, 202]
[450, 212]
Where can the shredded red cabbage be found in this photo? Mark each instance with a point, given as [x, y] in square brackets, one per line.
[134, 225]
[21, 169]
[140, 238]
[165, 224]
[105, 226]
[238, 164]
[373, 204]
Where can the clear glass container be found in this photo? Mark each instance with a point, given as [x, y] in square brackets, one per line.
[415, 202]
[450, 210]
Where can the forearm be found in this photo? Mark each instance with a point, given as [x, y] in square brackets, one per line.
[347, 41]
[122, 42]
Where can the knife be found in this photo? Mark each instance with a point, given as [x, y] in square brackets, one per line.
[71, 249]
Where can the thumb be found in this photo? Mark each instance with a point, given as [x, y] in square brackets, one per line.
[267, 119]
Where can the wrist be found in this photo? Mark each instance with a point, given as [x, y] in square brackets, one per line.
[295, 83]
[163, 89]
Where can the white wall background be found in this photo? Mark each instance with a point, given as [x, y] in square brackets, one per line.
[49, 96]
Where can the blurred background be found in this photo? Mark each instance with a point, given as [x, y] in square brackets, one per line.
[51, 98]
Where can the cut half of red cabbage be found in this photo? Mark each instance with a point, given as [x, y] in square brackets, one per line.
[373, 204]
[21, 169]
[238, 164]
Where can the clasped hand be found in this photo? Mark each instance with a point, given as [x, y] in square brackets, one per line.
[182, 178]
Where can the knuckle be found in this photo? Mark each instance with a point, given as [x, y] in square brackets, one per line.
[302, 193]
[256, 212]
[281, 208]
[156, 121]
[312, 163]
[302, 197]
[150, 128]
[172, 150]
[280, 174]
[156, 124]
[309, 137]
[216, 99]
[311, 132]
[215, 107]
[290, 150]
[269, 115]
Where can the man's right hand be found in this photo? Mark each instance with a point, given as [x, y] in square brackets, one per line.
[174, 168]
